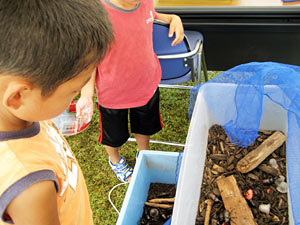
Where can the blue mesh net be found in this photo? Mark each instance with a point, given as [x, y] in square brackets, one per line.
[242, 115]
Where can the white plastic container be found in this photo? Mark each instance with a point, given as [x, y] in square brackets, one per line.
[192, 166]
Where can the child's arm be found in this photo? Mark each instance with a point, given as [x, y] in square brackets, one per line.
[85, 104]
[175, 26]
[36, 205]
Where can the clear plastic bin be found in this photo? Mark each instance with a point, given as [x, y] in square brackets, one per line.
[193, 161]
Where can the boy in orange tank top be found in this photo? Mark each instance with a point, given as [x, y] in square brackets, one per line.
[48, 52]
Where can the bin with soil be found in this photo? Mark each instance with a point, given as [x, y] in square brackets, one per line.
[259, 188]
[159, 205]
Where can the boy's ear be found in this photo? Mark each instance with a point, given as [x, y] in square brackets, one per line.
[14, 94]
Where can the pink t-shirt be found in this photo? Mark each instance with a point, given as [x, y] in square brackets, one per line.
[130, 72]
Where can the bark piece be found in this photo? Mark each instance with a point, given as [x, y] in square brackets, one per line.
[234, 202]
[161, 200]
[209, 203]
[158, 205]
[255, 157]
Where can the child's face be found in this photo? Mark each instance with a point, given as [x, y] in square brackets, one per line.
[44, 108]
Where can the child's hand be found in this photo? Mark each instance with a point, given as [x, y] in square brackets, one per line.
[85, 108]
[177, 28]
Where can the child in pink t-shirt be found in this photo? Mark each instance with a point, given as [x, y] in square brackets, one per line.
[127, 80]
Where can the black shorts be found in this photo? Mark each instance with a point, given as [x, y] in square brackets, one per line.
[144, 120]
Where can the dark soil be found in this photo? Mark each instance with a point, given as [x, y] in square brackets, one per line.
[221, 153]
[154, 215]
[224, 154]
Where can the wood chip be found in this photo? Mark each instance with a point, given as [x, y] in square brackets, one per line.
[230, 159]
[218, 168]
[222, 147]
[214, 151]
[269, 169]
[252, 176]
[218, 156]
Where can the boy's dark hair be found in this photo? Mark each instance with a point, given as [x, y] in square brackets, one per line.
[49, 42]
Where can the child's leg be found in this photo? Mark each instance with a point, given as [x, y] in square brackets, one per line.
[114, 133]
[114, 129]
[142, 141]
[145, 121]
[114, 155]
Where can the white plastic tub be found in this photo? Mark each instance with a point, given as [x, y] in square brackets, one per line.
[192, 166]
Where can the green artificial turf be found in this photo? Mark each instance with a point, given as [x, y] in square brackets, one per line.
[94, 160]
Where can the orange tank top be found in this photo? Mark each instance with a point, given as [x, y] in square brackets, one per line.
[40, 153]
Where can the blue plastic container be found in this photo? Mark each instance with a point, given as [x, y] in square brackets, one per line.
[151, 167]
